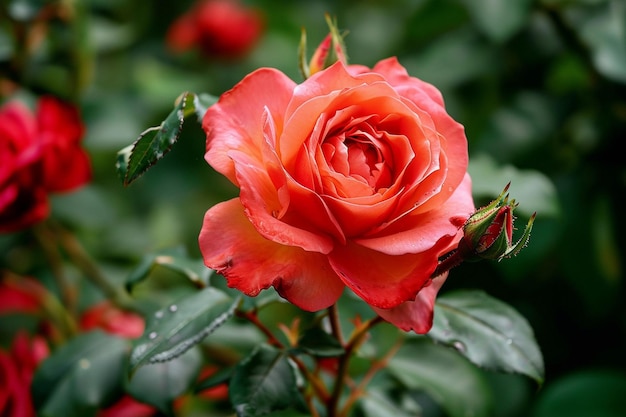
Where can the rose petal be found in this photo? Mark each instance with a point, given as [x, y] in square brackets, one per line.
[263, 206]
[232, 246]
[416, 233]
[382, 280]
[416, 315]
[234, 122]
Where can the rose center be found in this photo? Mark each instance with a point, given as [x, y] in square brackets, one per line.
[357, 157]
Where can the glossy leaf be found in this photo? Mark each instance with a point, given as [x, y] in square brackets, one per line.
[80, 376]
[263, 382]
[159, 384]
[447, 377]
[154, 143]
[488, 332]
[173, 330]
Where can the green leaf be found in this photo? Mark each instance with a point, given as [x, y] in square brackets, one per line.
[155, 142]
[173, 330]
[80, 376]
[582, 394]
[606, 34]
[317, 342]
[447, 377]
[263, 382]
[159, 384]
[175, 259]
[488, 332]
[499, 19]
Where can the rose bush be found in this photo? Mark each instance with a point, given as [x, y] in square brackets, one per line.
[219, 28]
[355, 178]
[39, 154]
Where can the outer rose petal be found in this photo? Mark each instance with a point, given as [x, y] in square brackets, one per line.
[251, 263]
[415, 315]
[235, 122]
[386, 281]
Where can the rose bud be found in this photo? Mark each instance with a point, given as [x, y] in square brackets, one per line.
[329, 51]
[488, 233]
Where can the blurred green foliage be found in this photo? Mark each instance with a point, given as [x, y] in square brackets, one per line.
[540, 87]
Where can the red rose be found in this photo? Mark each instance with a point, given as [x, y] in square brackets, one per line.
[112, 320]
[17, 367]
[39, 154]
[220, 28]
[357, 177]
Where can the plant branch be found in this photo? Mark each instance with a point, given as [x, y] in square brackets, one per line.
[335, 325]
[353, 343]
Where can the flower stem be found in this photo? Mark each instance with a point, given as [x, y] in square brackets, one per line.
[335, 325]
[353, 343]
[454, 258]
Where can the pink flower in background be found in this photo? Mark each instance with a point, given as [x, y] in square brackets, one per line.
[40, 153]
[219, 28]
[17, 367]
[355, 178]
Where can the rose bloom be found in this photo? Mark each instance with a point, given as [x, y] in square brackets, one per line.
[355, 178]
[219, 28]
[17, 367]
[39, 154]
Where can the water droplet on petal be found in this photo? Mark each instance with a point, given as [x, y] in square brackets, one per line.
[509, 341]
[173, 308]
[152, 335]
[84, 364]
[158, 314]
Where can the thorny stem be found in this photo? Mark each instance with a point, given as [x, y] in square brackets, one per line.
[353, 343]
[455, 258]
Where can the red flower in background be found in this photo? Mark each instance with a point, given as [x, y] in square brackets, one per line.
[112, 320]
[219, 28]
[17, 367]
[39, 153]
